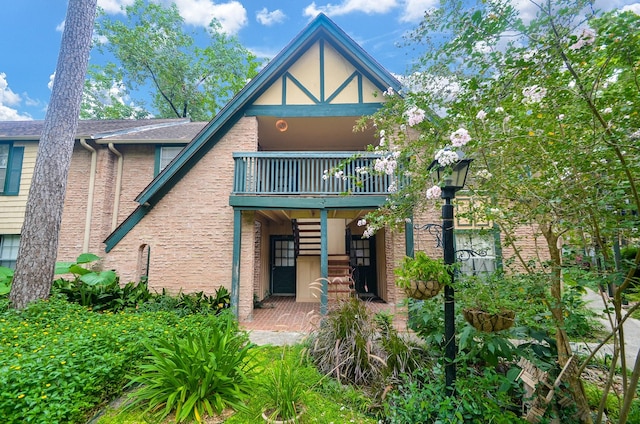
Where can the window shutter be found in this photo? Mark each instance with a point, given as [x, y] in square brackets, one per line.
[14, 171]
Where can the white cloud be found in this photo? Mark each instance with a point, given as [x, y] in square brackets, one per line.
[270, 18]
[52, 77]
[60, 26]
[8, 101]
[349, 6]
[114, 6]
[414, 9]
[635, 8]
[231, 15]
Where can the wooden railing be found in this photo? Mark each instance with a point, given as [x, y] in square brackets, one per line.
[307, 173]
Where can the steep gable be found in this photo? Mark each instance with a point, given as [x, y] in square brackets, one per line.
[321, 72]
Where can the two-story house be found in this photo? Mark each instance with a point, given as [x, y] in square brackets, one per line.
[239, 201]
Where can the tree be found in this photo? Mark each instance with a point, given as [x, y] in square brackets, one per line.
[548, 108]
[39, 237]
[154, 52]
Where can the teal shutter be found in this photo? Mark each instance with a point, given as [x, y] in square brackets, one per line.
[14, 171]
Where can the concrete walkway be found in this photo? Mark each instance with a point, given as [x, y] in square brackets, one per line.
[631, 329]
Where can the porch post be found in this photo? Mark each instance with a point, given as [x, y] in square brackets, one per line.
[324, 263]
[235, 272]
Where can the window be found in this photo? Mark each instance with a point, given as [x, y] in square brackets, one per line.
[10, 168]
[164, 155]
[9, 250]
[468, 243]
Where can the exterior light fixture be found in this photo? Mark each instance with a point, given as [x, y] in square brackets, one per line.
[282, 125]
[453, 178]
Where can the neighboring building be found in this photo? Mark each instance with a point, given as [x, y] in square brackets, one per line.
[244, 204]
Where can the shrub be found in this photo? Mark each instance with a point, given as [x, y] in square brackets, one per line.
[199, 374]
[477, 397]
[344, 346]
[61, 360]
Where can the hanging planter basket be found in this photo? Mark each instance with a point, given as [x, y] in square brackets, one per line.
[489, 322]
[423, 290]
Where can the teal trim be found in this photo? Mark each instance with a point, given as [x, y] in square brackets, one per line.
[235, 271]
[156, 163]
[324, 264]
[344, 85]
[360, 89]
[322, 98]
[125, 227]
[298, 84]
[291, 202]
[408, 239]
[14, 171]
[319, 110]
[284, 89]
[320, 28]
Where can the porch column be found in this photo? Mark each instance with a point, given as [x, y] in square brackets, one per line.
[324, 263]
[235, 272]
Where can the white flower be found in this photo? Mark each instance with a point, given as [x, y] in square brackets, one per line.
[607, 110]
[481, 115]
[325, 175]
[460, 137]
[499, 109]
[446, 157]
[561, 117]
[434, 192]
[484, 173]
[533, 94]
[362, 222]
[415, 115]
[389, 92]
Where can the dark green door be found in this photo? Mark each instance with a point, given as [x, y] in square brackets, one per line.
[363, 260]
[283, 266]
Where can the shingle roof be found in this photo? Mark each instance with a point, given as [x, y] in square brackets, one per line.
[114, 129]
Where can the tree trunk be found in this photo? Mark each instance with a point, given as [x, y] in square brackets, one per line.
[557, 311]
[39, 237]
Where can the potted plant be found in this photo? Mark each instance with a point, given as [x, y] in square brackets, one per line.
[285, 393]
[422, 277]
[485, 303]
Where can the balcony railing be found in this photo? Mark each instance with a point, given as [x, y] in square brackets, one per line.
[306, 173]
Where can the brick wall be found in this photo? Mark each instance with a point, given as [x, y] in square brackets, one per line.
[190, 231]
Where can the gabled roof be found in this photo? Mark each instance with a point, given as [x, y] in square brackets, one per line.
[319, 28]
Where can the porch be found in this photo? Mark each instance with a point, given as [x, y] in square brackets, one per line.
[283, 313]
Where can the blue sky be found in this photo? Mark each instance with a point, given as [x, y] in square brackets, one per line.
[30, 33]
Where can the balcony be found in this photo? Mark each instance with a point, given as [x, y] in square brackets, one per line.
[303, 173]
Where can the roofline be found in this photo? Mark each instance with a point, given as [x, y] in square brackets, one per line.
[232, 111]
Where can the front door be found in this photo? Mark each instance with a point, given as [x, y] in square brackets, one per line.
[283, 266]
[363, 261]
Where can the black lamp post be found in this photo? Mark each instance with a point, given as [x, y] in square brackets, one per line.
[454, 178]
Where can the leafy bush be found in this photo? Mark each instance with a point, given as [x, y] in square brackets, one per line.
[61, 360]
[477, 397]
[196, 375]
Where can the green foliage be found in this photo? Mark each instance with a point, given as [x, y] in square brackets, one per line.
[480, 397]
[357, 348]
[285, 389]
[152, 49]
[344, 346]
[6, 276]
[61, 360]
[198, 374]
[493, 293]
[200, 302]
[422, 267]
